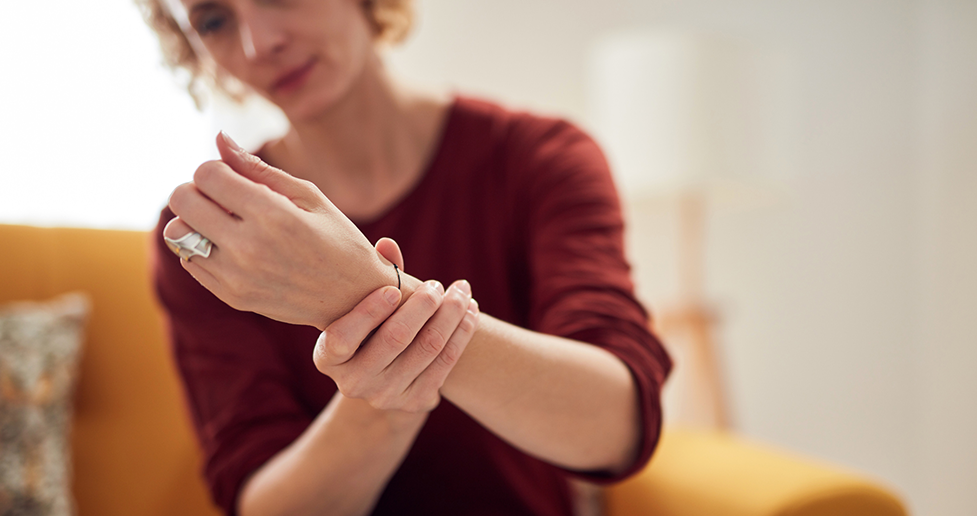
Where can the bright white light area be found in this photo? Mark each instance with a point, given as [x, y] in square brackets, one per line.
[94, 131]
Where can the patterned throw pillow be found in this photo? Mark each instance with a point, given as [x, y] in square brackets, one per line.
[39, 350]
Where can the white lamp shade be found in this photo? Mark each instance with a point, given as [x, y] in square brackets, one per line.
[679, 110]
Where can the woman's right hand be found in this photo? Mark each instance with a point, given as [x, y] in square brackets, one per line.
[281, 248]
[405, 361]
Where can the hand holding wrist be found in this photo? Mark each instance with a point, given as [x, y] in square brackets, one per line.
[281, 248]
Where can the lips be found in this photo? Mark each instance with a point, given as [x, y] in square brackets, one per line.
[294, 78]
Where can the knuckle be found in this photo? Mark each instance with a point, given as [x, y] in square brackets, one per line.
[433, 402]
[351, 388]
[183, 189]
[431, 340]
[262, 197]
[180, 195]
[345, 390]
[450, 355]
[266, 192]
[458, 303]
[424, 403]
[206, 171]
[382, 401]
[335, 348]
[376, 310]
[430, 299]
[256, 164]
[308, 187]
[467, 323]
[398, 334]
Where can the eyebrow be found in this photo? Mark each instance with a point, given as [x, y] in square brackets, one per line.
[201, 6]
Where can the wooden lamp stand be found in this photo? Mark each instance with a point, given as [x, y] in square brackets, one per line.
[687, 327]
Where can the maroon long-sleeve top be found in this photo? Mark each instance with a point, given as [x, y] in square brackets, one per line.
[521, 206]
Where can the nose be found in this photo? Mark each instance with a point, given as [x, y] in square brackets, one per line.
[260, 37]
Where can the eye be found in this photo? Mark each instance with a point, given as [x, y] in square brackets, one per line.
[208, 23]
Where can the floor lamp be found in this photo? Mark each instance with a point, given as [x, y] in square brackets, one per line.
[684, 118]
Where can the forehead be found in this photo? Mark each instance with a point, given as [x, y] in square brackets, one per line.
[180, 8]
[190, 5]
[177, 9]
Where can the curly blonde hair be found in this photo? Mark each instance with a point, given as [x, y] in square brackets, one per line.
[391, 21]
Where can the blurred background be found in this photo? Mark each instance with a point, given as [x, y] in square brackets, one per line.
[828, 248]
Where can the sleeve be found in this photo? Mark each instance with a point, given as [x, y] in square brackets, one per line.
[581, 286]
[236, 383]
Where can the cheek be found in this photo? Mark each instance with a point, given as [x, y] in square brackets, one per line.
[228, 55]
[347, 48]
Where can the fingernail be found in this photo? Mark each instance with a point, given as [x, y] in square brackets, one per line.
[473, 306]
[392, 295]
[230, 141]
[437, 286]
[465, 287]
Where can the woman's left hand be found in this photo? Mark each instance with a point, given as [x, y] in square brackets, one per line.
[398, 358]
[281, 248]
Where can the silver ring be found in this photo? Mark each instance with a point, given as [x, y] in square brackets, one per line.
[190, 245]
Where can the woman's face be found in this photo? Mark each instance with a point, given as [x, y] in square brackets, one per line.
[300, 54]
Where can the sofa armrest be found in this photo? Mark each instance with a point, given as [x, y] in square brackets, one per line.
[713, 473]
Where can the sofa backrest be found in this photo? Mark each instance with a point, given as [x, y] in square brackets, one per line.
[133, 449]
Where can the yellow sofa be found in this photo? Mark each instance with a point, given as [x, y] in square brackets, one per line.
[134, 453]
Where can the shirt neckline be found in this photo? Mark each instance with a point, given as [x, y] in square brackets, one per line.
[429, 171]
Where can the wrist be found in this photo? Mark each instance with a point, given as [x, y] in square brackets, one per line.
[391, 421]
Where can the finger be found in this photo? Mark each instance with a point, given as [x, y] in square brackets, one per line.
[388, 248]
[397, 332]
[203, 276]
[176, 229]
[230, 190]
[201, 213]
[253, 168]
[339, 341]
[432, 338]
[432, 378]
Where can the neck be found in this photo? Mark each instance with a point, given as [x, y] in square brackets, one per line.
[368, 145]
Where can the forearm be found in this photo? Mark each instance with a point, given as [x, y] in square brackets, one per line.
[566, 402]
[339, 466]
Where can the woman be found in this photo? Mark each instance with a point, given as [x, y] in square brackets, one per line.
[551, 374]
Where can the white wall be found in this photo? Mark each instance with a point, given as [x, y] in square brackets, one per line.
[848, 307]
[947, 338]
[819, 291]
[93, 130]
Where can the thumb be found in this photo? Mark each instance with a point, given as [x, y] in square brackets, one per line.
[253, 168]
[388, 248]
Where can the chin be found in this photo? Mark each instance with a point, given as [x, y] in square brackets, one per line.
[311, 103]
[297, 109]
